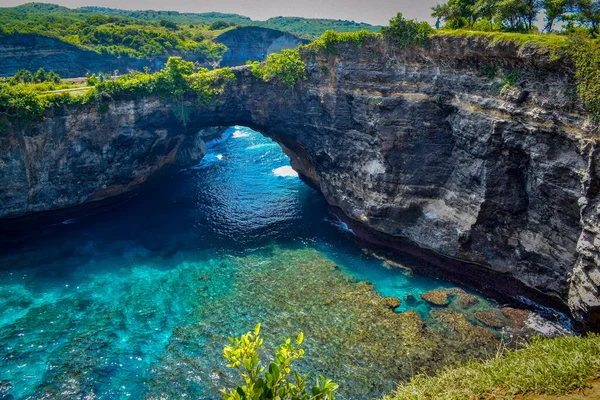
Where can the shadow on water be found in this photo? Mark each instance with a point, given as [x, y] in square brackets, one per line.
[138, 299]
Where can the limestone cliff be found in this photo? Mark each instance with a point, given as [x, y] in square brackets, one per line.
[420, 144]
[252, 43]
[33, 51]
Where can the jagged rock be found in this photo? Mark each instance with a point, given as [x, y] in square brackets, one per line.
[492, 318]
[515, 94]
[391, 302]
[436, 297]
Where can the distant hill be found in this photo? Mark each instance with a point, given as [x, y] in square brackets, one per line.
[113, 34]
[307, 28]
[173, 16]
[154, 35]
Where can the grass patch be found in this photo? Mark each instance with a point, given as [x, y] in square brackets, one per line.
[555, 43]
[546, 366]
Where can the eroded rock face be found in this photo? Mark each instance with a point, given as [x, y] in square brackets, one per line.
[253, 43]
[84, 155]
[33, 51]
[415, 143]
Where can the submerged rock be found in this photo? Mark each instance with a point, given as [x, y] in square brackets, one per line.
[411, 328]
[410, 299]
[467, 300]
[492, 318]
[464, 299]
[436, 297]
[5, 388]
[475, 335]
[391, 302]
[516, 317]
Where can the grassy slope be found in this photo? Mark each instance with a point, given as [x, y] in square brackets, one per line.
[549, 40]
[546, 366]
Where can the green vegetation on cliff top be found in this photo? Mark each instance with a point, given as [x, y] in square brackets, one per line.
[545, 366]
[287, 67]
[179, 80]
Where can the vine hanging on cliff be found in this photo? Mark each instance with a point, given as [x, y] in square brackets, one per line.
[585, 53]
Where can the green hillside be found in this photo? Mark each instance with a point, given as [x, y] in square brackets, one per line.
[111, 34]
[53, 20]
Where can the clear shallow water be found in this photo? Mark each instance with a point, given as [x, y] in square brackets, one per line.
[137, 301]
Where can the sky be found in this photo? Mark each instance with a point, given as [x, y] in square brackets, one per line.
[376, 12]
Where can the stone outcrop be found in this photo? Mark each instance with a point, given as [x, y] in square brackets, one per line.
[252, 43]
[82, 156]
[33, 51]
[417, 144]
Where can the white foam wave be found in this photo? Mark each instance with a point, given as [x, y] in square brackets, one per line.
[285, 171]
[226, 135]
[240, 134]
[207, 161]
[341, 225]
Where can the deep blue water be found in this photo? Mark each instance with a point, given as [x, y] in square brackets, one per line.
[93, 305]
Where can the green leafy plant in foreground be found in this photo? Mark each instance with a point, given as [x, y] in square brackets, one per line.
[272, 383]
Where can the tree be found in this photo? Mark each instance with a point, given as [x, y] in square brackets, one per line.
[173, 80]
[587, 13]
[22, 76]
[217, 25]
[485, 9]
[553, 9]
[456, 13]
[274, 383]
[518, 15]
[407, 33]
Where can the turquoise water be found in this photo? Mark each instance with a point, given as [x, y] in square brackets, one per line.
[137, 301]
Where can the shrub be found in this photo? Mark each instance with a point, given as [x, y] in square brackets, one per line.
[176, 83]
[286, 67]
[407, 33]
[217, 25]
[330, 40]
[274, 383]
